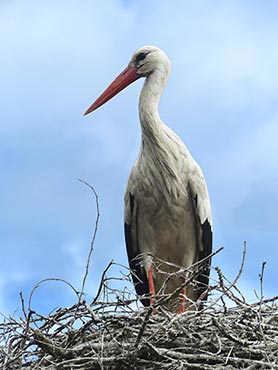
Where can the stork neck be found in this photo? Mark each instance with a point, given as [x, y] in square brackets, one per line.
[148, 104]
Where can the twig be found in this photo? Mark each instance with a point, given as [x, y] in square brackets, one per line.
[261, 276]
[45, 280]
[101, 282]
[145, 322]
[93, 239]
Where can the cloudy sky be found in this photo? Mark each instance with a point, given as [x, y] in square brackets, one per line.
[56, 57]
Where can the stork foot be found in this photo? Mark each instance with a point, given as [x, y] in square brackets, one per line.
[182, 298]
[151, 285]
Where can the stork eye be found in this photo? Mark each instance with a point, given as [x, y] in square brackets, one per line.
[140, 57]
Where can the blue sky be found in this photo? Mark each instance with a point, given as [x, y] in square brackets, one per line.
[56, 58]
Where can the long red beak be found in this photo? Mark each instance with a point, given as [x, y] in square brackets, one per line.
[125, 78]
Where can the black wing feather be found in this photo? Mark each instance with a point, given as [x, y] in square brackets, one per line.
[203, 277]
[204, 251]
[139, 275]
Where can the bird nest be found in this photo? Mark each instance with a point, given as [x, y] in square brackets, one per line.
[113, 332]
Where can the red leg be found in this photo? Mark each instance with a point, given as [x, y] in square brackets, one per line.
[151, 285]
[182, 298]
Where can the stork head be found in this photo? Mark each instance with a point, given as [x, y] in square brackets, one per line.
[144, 62]
[148, 59]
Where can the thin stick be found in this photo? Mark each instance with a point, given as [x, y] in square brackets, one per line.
[101, 282]
[92, 242]
[43, 281]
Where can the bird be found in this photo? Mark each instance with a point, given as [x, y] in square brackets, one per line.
[167, 212]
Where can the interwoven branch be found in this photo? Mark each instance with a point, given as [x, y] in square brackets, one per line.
[112, 334]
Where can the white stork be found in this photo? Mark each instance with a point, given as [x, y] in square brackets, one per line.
[167, 209]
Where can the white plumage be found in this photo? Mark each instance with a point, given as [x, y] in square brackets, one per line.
[167, 208]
